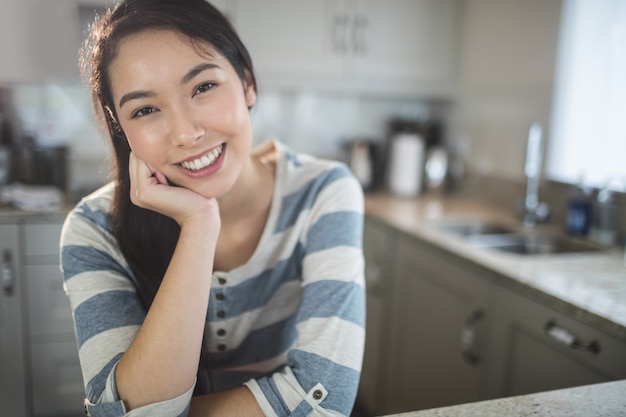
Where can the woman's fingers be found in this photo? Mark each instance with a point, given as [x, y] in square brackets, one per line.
[151, 190]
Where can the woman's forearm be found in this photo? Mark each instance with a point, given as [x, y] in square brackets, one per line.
[237, 402]
[162, 361]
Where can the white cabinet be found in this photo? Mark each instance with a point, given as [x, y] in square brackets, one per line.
[287, 38]
[404, 47]
[40, 374]
[442, 330]
[439, 328]
[12, 370]
[406, 41]
[55, 376]
[396, 46]
[378, 248]
[536, 348]
[427, 324]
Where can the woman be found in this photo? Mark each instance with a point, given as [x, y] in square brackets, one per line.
[207, 269]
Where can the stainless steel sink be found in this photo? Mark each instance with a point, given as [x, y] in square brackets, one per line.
[492, 235]
[475, 228]
[533, 244]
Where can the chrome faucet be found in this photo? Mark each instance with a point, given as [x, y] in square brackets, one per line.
[534, 211]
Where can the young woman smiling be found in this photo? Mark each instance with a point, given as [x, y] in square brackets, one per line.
[208, 278]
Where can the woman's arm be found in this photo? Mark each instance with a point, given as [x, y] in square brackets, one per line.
[235, 402]
[323, 365]
[162, 361]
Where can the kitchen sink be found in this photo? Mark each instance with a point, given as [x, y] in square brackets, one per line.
[475, 228]
[507, 238]
[533, 244]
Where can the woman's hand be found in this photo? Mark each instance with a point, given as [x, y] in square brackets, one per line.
[150, 189]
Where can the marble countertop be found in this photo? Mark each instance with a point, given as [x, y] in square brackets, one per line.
[590, 286]
[598, 400]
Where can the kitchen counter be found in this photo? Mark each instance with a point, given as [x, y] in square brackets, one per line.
[598, 400]
[589, 286]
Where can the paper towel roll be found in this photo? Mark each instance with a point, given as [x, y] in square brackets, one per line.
[406, 165]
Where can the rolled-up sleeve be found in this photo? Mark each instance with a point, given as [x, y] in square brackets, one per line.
[106, 310]
[323, 368]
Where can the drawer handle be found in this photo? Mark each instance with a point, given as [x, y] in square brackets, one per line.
[8, 276]
[569, 339]
[469, 336]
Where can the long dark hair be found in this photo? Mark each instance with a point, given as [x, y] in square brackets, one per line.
[147, 239]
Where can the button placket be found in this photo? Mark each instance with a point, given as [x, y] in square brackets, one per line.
[220, 298]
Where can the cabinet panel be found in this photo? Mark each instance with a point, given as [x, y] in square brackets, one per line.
[295, 37]
[377, 250]
[391, 47]
[406, 39]
[50, 314]
[438, 330]
[12, 372]
[57, 382]
[534, 349]
[42, 239]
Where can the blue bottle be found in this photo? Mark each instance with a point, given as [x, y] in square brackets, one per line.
[579, 211]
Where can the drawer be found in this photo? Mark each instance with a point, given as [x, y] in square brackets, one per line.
[536, 347]
[42, 239]
[57, 382]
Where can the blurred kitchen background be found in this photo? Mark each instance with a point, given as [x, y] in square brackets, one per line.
[341, 79]
[447, 90]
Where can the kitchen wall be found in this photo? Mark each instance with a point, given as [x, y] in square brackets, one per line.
[319, 123]
[506, 77]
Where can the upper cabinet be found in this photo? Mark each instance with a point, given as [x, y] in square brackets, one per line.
[40, 39]
[398, 47]
[406, 47]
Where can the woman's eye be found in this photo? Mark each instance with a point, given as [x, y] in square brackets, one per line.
[202, 88]
[144, 111]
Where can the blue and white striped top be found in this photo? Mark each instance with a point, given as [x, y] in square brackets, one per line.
[289, 324]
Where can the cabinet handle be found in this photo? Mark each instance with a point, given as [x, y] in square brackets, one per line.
[569, 339]
[372, 278]
[340, 33]
[8, 277]
[468, 338]
[359, 38]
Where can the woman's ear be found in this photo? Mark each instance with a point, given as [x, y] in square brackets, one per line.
[249, 89]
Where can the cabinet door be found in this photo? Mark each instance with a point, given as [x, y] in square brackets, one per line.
[12, 373]
[293, 37]
[378, 244]
[57, 382]
[50, 314]
[439, 326]
[538, 349]
[405, 40]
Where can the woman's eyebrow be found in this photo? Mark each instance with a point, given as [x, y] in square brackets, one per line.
[133, 95]
[197, 70]
[190, 75]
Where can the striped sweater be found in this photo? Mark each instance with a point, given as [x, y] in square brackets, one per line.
[289, 324]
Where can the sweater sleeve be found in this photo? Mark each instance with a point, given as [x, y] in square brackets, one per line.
[323, 368]
[106, 310]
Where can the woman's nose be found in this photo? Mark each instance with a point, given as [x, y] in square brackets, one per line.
[185, 128]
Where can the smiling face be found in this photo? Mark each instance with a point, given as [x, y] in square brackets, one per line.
[184, 112]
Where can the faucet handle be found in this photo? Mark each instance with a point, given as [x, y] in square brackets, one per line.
[539, 214]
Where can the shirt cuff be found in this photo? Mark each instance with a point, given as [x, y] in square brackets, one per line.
[111, 406]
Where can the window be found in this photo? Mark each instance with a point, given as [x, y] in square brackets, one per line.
[588, 138]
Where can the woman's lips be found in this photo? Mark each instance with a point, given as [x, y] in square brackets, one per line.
[207, 164]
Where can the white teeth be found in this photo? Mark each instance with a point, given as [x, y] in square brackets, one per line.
[205, 161]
